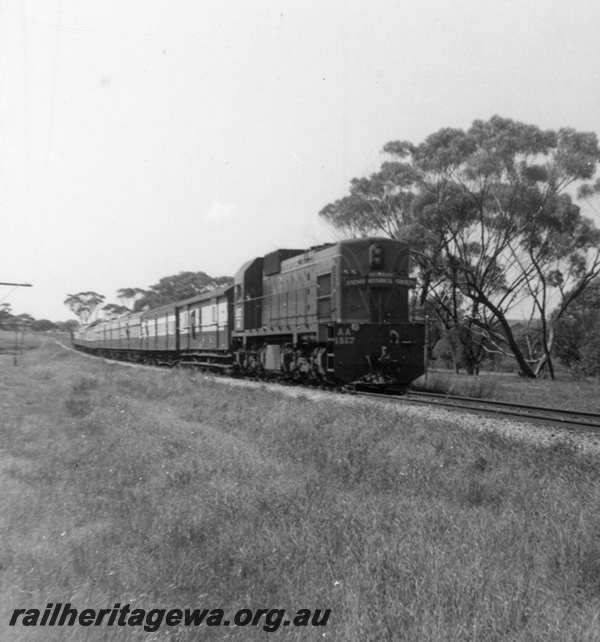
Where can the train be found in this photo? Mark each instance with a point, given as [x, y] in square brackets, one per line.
[335, 315]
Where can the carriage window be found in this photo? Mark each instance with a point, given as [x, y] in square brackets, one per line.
[193, 323]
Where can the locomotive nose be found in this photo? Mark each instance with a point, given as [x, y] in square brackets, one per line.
[375, 351]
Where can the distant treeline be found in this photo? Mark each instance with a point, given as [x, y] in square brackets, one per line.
[89, 304]
[10, 321]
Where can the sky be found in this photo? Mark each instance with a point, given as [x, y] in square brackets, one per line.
[142, 138]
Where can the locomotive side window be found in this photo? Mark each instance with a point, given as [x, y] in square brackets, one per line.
[293, 309]
[324, 307]
[324, 295]
[324, 285]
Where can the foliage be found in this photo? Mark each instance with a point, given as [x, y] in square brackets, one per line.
[5, 312]
[112, 310]
[128, 296]
[173, 288]
[43, 325]
[67, 326]
[11, 321]
[167, 290]
[491, 223]
[460, 347]
[578, 333]
[84, 304]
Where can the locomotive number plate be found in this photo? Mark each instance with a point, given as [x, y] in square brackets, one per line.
[344, 337]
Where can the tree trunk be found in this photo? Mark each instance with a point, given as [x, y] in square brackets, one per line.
[525, 368]
[546, 359]
[540, 365]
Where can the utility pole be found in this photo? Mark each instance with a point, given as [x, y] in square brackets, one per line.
[16, 285]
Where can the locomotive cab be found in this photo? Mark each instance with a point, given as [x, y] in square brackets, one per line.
[373, 340]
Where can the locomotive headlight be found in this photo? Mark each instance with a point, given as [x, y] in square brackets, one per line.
[376, 257]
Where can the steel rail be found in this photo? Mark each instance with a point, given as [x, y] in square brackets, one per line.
[511, 404]
[561, 417]
[501, 408]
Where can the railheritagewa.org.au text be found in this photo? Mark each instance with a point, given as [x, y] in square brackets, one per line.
[123, 615]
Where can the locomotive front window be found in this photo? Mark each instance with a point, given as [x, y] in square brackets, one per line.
[388, 304]
[375, 304]
[355, 303]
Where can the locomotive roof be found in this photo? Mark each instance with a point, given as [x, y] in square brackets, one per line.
[370, 239]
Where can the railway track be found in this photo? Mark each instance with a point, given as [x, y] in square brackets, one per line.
[572, 419]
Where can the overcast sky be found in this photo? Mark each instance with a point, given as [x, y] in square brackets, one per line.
[141, 138]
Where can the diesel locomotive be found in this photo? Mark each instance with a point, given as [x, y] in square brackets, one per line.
[336, 314]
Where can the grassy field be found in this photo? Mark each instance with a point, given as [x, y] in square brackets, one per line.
[159, 488]
[563, 392]
[19, 342]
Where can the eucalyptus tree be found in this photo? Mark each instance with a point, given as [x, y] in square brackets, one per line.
[492, 222]
[172, 288]
[113, 310]
[84, 304]
[577, 333]
[5, 313]
[128, 296]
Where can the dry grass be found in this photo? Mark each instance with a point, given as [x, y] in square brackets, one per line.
[560, 393]
[162, 488]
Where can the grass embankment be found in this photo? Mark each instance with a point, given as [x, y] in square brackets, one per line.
[161, 489]
[563, 392]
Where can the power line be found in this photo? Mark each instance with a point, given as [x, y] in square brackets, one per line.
[12, 289]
